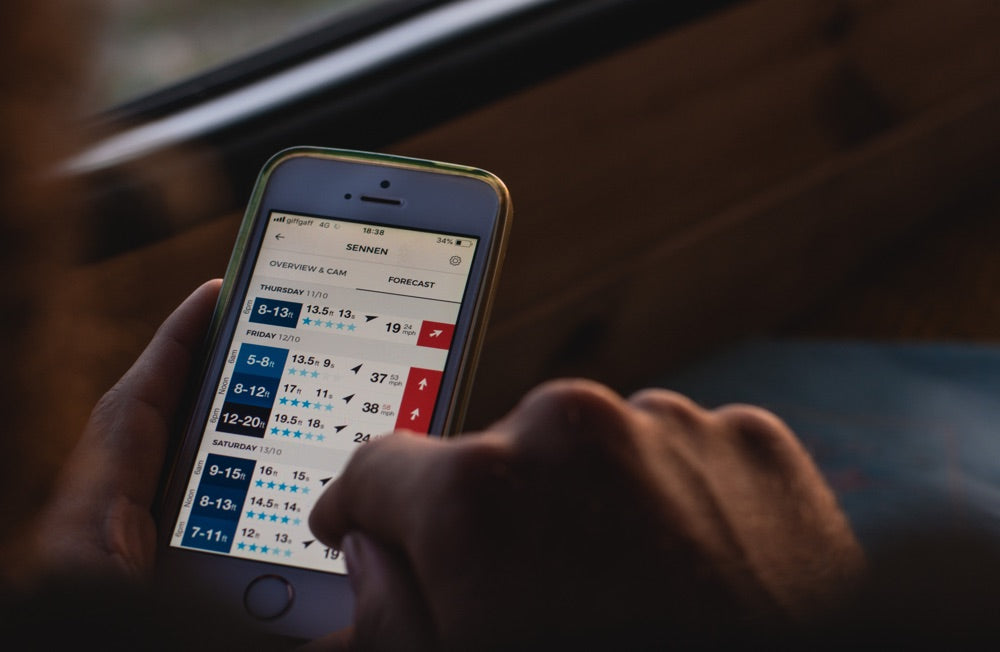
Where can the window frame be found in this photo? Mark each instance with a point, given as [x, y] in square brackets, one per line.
[382, 104]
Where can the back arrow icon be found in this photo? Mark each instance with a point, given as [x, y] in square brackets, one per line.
[278, 236]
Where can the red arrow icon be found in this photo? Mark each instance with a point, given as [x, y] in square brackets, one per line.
[435, 334]
[419, 396]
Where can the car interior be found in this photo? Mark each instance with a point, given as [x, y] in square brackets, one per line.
[686, 177]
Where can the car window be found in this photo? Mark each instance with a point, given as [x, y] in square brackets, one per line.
[148, 44]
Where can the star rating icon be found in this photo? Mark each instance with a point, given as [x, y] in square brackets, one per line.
[320, 323]
[274, 551]
[307, 435]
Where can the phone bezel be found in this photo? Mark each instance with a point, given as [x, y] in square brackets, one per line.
[433, 196]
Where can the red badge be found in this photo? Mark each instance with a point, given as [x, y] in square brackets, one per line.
[419, 397]
[435, 334]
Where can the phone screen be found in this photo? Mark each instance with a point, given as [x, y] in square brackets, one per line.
[343, 336]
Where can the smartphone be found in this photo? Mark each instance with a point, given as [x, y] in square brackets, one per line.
[354, 305]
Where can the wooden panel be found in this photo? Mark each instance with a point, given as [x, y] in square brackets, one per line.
[713, 181]
[646, 187]
[742, 271]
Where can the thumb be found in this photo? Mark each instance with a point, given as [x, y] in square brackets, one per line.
[390, 613]
[100, 508]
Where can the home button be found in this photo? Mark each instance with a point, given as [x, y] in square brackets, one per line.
[268, 597]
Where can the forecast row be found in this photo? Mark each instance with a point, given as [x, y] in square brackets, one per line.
[345, 321]
[327, 400]
[256, 511]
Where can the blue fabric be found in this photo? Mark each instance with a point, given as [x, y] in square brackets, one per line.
[903, 432]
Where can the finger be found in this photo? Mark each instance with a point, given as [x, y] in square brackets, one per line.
[666, 403]
[378, 489]
[673, 416]
[159, 375]
[568, 402]
[127, 433]
[100, 510]
[761, 434]
[389, 611]
[753, 419]
[386, 481]
[573, 424]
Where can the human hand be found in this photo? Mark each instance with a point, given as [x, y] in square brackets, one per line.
[585, 518]
[98, 521]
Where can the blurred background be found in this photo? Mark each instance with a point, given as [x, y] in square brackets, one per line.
[687, 177]
[145, 45]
